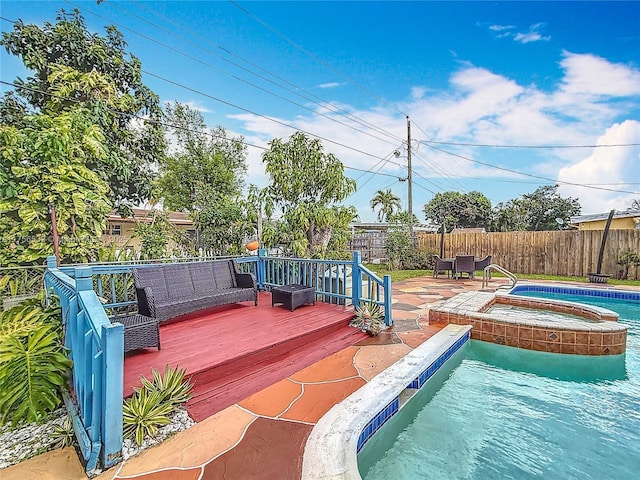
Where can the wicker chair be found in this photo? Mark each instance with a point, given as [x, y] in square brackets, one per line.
[442, 266]
[140, 331]
[484, 263]
[464, 264]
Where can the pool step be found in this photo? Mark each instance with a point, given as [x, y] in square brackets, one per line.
[222, 385]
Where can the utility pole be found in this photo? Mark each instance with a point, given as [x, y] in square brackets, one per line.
[409, 186]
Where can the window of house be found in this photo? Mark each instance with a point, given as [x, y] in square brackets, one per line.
[113, 229]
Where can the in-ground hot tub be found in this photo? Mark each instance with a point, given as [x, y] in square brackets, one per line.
[535, 324]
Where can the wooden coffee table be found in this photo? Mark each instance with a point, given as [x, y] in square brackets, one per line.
[292, 296]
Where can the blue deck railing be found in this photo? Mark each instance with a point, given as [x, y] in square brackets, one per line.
[91, 295]
[97, 351]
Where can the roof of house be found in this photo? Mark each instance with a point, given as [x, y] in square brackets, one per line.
[145, 216]
[383, 226]
[603, 216]
[469, 230]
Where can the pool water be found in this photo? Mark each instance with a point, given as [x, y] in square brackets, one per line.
[506, 413]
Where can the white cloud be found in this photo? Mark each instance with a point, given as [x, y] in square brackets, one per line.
[606, 167]
[330, 85]
[501, 28]
[592, 76]
[194, 105]
[480, 106]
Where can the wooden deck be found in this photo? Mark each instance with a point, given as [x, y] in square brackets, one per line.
[234, 351]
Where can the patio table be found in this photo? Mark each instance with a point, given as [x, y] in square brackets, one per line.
[292, 296]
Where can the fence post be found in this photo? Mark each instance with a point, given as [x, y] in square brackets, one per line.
[386, 281]
[260, 268]
[356, 280]
[113, 350]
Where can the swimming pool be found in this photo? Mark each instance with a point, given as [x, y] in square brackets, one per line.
[502, 412]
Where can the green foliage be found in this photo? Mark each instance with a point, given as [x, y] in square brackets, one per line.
[535, 211]
[388, 203]
[171, 385]
[22, 281]
[205, 163]
[455, 209]
[63, 434]
[33, 365]
[143, 414]
[94, 73]
[369, 317]
[306, 185]
[627, 259]
[204, 176]
[151, 405]
[46, 163]
[398, 246]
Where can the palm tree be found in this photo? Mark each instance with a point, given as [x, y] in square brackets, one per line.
[388, 202]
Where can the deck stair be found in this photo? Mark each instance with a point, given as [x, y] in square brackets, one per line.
[232, 353]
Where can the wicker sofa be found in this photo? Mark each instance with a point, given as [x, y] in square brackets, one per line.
[171, 290]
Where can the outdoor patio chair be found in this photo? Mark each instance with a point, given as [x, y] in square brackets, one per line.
[442, 266]
[484, 263]
[464, 264]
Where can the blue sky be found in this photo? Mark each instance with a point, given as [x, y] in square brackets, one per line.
[473, 73]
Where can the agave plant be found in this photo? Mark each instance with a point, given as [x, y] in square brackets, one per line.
[172, 385]
[144, 413]
[152, 404]
[369, 317]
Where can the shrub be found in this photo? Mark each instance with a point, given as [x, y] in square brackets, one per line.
[151, 406]
[34, 367]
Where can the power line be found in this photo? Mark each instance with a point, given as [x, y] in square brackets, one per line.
[529, 146]
[528, 174]
[235, 77]
[296, 88]
[179, 127]
[315, 58]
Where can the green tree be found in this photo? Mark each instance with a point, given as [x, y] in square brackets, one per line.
[509, 217]
[87, 62]
[388, 203]
[544, 206]
[204, 162]
[455, 209]
[44, 165]
[204, 176]
[307, 184]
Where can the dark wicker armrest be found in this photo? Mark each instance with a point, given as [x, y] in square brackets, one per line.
[246, 280]
[146, 302]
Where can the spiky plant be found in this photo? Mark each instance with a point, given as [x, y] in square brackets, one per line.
[369, 317]
[152, 404]
[143, 413]
[172, 386]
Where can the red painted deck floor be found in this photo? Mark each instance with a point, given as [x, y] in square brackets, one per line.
[234, 351]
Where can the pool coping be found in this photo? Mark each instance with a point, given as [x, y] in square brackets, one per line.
[331, 449]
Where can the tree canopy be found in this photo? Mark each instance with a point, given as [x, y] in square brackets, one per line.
[455, 209]
[44, 165]
[388, 203]
[70, 68]
[204, 176]
[306, 184]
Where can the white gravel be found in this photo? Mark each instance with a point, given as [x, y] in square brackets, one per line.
[34, 439]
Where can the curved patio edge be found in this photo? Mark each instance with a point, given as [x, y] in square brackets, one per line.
[331, 449]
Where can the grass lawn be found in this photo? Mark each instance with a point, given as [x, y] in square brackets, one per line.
[380, 269]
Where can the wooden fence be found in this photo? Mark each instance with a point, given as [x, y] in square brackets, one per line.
[565, 252]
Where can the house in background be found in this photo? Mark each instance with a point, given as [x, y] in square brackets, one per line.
[121, 230]
[469, 230]
[626, 220]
